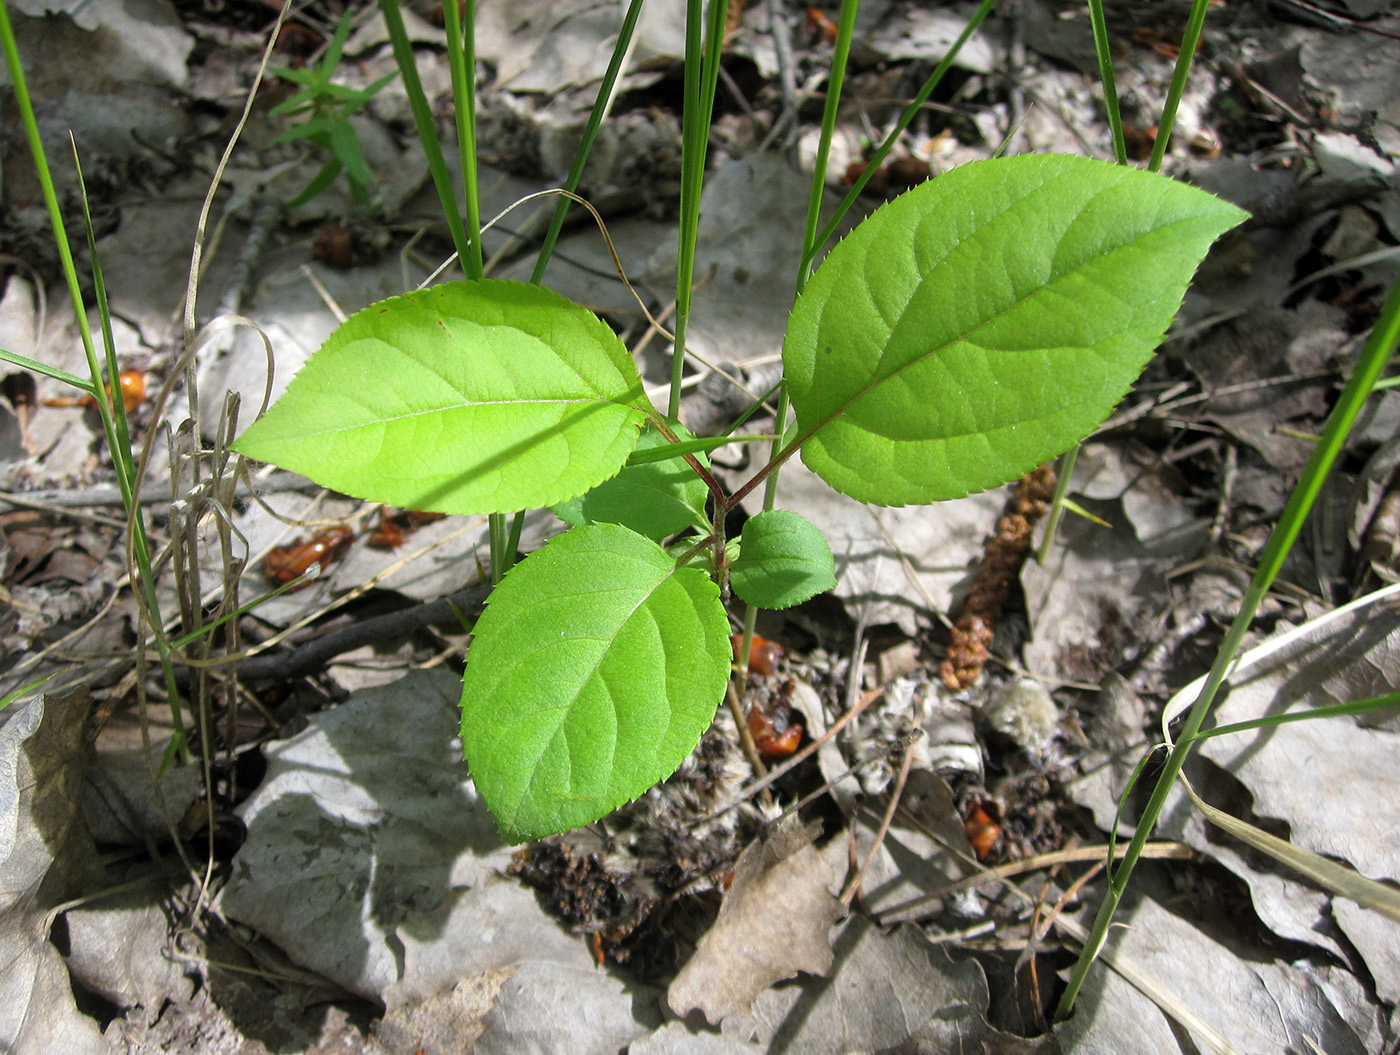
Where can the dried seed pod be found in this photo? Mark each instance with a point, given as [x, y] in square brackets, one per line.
[982, 831]
[335, 245]
[285, 563]
[821, 28]
[764, 655]
[1002, 557]
[133, 389]
[774, 732]
[395, 527]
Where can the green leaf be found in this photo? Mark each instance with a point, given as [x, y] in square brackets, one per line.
[319, 182]
[988, 319]
[306, 77]
[343, 93]
[305, 129]
[783, 560]
[346, 146]
[368, 92]
[331, 59]
[470, 397]
[654, 499]
[593, 673]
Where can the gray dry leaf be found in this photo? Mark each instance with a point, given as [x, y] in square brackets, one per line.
[775, 921]
[1099, 592]
[916, 32]
[1111, 1017]
[1257, 1007]
[890, 992]
[1361, 79]
[42, 842]
[675, 1038]
[370, 859]
[1333, 781]
[117, 947]
[911, 867]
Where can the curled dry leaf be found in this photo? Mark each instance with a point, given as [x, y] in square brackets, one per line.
[775, 922]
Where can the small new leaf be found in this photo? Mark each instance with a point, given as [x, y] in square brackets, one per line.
[783, 560]
[593, 673]
[470, 397]
[652, 497]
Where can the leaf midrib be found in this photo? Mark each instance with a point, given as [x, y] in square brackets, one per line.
[967, 338]
[398, 418]
[669, 573]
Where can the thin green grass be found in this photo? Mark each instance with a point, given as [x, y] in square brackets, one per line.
[601, 103]
[905, 120]
[1182, 71]
[109, 404]
[24, 690]
[1104, 53]
[704, 39]
[427, 132]
[461, 61]
[1375, 357]
[702, 52]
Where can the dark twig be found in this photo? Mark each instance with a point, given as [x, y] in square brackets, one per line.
[314, 655]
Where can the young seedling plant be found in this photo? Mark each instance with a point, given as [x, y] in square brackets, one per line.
[327, 108]
[964, 333]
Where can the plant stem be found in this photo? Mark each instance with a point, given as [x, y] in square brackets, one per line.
[1189, 41]
[1374, 357]
[716, 488]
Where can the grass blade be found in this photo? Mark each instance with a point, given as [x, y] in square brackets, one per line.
[1371, 366]
[423, 121]
[695, 138]
[590, 134]
[461, 60]
[1104, 52]
[905, 119]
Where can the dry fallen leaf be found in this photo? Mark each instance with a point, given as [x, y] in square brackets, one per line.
[893, 991]
[775, 922]
[1255, 1006]
[41, 839]
[370, 859]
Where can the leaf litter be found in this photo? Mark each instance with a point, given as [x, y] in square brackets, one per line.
[367, 858]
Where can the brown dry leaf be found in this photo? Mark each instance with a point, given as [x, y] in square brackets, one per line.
[775, 922]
